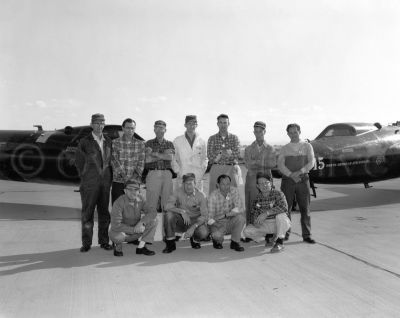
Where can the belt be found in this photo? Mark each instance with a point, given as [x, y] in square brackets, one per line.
[157, 169]
[224, 164]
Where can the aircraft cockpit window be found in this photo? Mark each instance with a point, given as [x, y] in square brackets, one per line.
[334, 132]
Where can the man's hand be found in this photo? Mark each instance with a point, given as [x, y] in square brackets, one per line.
[261, 218]
[211, 222]
[139, 228]
[190, 231]
[295, 176]
[186, 218]
[148, 150]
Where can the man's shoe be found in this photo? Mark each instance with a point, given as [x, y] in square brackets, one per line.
[106, 246]
[177, 237]
[195, 245]
[85, 248]
[236, 246]
[170, 247]
[118, 249]
[287, 236]
[217, 245]
[144, 251]
[308, 240]
[277, 248]
[245, 239]
[135, 242]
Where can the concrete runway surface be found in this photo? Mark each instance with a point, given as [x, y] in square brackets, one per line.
[352, 271]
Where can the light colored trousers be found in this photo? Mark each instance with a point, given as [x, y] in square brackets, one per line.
[278, 226]
[147, 235]
[158, 184]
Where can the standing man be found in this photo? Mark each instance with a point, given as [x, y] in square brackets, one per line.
[159, 156]
[225, 214]
[186, 212]
[127, 222]
[270, 214]
[190, 153]
[127, 159]
[259, 157]
[295, 160]
[93, 161]
[223, 153]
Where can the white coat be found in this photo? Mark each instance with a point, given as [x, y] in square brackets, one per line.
[189, 159]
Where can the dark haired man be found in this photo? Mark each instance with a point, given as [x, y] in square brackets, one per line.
[225, 213]
[93, 162]
[127, 159]
[269, 214]
[295, 160]
[223, 153]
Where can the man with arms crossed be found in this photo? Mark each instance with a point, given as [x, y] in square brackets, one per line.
[186, 212]
[159, 155]
[295, 160]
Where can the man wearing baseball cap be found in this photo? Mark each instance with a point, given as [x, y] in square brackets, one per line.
[259, 157]
[158, 163]
[127, 223]
[190, 153]
[93, 162]
[186, 212]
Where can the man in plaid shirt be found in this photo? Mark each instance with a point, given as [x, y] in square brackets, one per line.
[225, 214]
[223, 153]
[127, 159]
[269, 215]
[159, 156]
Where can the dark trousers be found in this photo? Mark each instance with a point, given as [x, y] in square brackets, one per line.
[300, 191]
[174, 221]
[116, 191]
[95, 195]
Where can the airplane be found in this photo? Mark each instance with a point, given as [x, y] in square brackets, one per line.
[45, 155]
[349, 153]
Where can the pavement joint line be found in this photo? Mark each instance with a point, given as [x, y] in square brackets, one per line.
[359, 259]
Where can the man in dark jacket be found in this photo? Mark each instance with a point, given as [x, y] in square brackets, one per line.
[92, 160]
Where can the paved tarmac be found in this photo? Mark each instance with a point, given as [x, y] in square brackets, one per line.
[352, 271]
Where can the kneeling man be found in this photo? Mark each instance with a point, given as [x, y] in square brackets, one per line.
[186, 211]
[226, 213]
[270, 214]
[127, 222]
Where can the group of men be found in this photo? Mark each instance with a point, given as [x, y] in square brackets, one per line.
[124, 163]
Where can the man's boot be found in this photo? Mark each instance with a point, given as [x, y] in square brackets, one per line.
[170, 246]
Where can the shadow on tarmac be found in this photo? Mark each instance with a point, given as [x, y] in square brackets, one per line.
[99, 258]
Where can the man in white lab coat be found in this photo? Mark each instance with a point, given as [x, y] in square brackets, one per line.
[190, 153]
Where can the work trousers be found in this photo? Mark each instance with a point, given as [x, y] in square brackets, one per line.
[278, 226]
[95, 194]
[147, 235]
[173, 222]
[300, 191]
[231, 225]
[158, 184]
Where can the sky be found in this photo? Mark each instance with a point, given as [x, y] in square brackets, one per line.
[312, 62]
